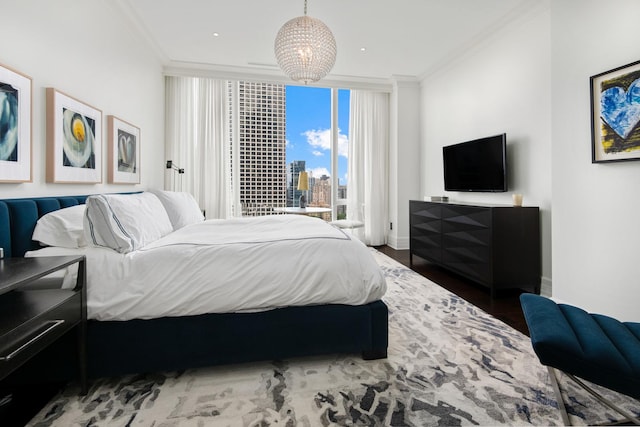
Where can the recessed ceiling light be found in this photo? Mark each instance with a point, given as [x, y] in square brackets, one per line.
[363, 49]
[216, 34]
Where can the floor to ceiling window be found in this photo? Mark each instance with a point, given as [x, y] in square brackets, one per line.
[317, 145]
[313, 131]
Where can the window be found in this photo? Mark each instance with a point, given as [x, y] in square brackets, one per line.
[282, 131]
[313, 147]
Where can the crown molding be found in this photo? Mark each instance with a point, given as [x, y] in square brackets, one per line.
[271, 74]
[125, 9]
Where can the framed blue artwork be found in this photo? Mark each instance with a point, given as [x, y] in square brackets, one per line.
[15, 126]
[615, 114]
[74, 140]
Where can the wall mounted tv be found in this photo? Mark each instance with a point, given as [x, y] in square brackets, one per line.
[478, 165]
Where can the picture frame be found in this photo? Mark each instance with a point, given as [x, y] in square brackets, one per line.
[74, 140]
[16, 107]
[123, 152]
[615, 114]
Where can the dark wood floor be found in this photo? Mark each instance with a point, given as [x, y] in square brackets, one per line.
[505, 306]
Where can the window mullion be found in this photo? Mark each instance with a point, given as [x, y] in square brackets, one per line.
[335, 179]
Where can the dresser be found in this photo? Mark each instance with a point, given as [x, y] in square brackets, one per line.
[497, 246]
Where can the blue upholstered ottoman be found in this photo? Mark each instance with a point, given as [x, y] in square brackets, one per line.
[594, 347]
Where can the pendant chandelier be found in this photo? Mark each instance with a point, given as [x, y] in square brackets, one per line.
[305, 48]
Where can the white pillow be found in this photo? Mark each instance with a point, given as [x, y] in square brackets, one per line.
[181, 207]
[125, 222]
[63, 228]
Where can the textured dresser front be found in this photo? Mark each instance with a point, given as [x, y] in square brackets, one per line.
[425, 230]
[466, 241]
[496, 246]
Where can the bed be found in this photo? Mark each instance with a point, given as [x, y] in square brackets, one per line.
[126, 344]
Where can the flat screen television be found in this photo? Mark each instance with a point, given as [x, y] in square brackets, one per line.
[478, 165]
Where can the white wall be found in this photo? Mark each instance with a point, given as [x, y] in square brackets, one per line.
[596, 230]
[404, 159]
[502, 85]
[90, 51]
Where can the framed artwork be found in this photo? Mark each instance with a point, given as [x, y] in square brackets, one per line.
[123, 152]
[615, 114]
[74, 140]
[15, 126]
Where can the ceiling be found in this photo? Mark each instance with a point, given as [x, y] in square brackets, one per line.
[400, 37]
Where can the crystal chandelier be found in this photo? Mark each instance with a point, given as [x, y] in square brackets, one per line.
[305, 48]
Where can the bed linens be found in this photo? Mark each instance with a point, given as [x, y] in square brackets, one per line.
[181, 207]
[63, 227]
[125, 222]
[222, 266]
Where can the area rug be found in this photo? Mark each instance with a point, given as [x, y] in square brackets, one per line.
[449, 364]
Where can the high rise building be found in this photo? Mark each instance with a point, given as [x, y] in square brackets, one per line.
[341, 210]
[311, 194]
[293, 172]
[322, 192]
[261, 114]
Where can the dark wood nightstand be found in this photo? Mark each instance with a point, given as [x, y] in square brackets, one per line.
[32, 319]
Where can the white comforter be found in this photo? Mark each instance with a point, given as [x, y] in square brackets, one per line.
[221, 266]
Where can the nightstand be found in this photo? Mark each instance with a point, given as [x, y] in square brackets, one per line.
[32, 319]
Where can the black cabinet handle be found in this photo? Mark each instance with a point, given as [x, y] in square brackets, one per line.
[52, 325]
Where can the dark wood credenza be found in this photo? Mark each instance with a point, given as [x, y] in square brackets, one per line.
[497, 246]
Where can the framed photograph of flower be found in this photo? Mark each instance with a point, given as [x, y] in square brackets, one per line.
[615, 114]
[123, 152]
[15, 126]
[74, 140]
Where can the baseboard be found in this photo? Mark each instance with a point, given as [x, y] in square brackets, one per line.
[545, 287]
[398, 244]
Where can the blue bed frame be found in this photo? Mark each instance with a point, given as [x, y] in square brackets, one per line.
[175, 343]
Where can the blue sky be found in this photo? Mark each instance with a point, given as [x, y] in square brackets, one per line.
[309, 128]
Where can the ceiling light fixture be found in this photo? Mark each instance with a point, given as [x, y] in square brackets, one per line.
[305, 48]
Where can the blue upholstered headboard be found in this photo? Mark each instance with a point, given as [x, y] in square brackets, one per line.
[18, 218]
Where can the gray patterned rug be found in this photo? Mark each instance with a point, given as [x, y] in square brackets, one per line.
[449, 363]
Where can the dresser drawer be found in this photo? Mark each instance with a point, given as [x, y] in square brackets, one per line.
[23, 334]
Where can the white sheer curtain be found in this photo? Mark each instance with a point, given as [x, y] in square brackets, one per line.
[368, 164]
[197, 140]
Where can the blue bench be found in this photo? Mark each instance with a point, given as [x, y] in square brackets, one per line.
[594, 347]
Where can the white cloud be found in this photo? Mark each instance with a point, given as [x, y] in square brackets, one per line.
[343, 145]
[318, 172]
[321, 139]
[317, 153]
